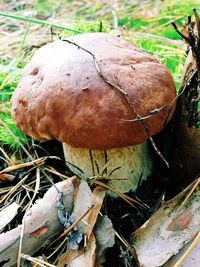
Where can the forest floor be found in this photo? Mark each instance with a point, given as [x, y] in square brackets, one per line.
[145, 23]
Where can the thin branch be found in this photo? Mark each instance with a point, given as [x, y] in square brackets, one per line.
[180, 33]
[126, 95]
[97, 67]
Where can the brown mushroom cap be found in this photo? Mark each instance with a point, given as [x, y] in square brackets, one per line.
[61, 95]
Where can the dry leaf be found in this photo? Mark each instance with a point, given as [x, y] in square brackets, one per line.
[85, 200]
[192, 260]
[184, 31]
[7, 214]
[105, 236]
[82, 203]
[68, 257]
[87, 259]
[169, 229]
[83, 257]
[97, 200]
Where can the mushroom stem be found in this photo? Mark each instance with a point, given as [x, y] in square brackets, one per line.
[121, 167]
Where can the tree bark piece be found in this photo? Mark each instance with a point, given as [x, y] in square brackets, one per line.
[189, 138]
[192, 260]
[7, 214]
[41, 223]
[169, 229]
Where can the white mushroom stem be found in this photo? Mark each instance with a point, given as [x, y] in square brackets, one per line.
[124, 166]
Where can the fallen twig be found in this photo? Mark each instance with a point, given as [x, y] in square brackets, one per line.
[125, 94]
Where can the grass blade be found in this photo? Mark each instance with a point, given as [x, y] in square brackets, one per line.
[37, 21]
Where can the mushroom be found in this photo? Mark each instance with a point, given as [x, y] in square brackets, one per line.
[102, 98]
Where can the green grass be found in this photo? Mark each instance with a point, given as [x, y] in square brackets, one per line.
[9, 77]
[158, 23]
[86, 26]
[37, 21]
[167, 55]
[6, 139]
